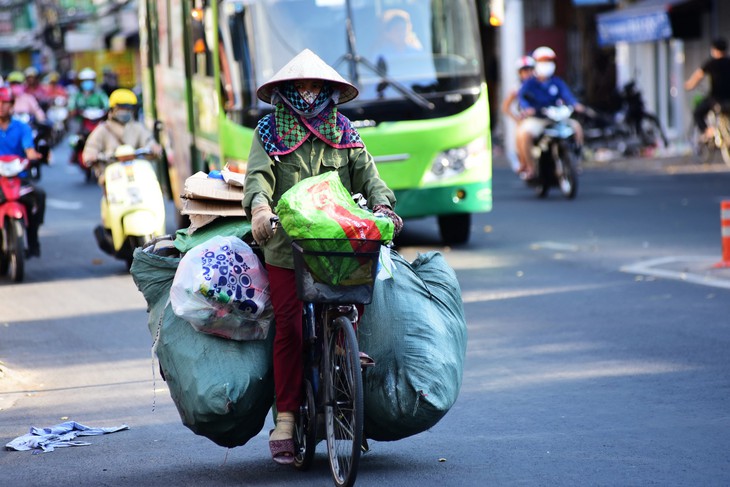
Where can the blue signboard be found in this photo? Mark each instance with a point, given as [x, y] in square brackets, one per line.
[632, 27]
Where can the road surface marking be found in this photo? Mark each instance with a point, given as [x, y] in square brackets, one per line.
[651, 268]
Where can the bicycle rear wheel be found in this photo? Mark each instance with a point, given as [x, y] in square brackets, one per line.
[344, 415]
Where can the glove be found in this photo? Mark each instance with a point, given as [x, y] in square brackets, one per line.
[387, 211]
[261, 223]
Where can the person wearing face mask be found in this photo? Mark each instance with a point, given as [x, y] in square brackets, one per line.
[305, 136]
[542, 90]
[88, 96]
[120, 128]
[16, 138]
[24, 102]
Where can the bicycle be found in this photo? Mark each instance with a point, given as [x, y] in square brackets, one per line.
[333, 276]
[718, 120]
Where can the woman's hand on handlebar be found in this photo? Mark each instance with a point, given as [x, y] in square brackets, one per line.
[387, 211]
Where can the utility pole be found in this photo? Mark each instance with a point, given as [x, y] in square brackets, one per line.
[511, 47]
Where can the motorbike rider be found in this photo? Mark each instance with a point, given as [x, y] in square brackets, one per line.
[539, 92]
[525, 70]
[16, 138]
[120, 128]
[88, 96]
[24, 102]
[717, 68]
[315, 138]
[52, 88]
[32, 83]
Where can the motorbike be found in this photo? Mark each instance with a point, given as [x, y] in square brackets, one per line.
[41, 141]
[13, 217]
[90, 118]
[57, 114]
[132, 206]
[556, 154]
[629, 130]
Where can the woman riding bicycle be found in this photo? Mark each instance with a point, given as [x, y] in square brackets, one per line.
[305, 136]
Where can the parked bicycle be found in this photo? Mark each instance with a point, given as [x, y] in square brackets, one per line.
[333, 276]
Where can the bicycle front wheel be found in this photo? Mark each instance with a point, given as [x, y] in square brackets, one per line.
[344, 415]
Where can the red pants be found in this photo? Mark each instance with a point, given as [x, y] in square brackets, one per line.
[288, 341]
[288, 362]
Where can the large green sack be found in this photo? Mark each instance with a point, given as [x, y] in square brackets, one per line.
[223, 389]
[228, 226]
[416, 331]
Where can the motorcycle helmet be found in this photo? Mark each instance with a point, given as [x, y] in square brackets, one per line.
[16, 77]
[31, 71]
[543, 53]
[525, 62]
[544, 62]
[87, 74]
[122, 96]
[52, 77]
[6, 94]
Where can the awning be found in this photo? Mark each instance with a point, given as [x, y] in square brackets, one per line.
[643, 21]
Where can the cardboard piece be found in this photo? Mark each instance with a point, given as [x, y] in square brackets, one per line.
[200, 186]
[204, 199]
[199, 221]
[233, 178]
[211, 207]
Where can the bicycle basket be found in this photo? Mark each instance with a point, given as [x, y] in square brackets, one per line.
[335, 270]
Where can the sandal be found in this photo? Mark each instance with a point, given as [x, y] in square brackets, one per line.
[282, 451]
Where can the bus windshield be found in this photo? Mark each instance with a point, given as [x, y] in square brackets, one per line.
[390, 49]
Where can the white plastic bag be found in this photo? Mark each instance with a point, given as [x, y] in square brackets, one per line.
[221, 288]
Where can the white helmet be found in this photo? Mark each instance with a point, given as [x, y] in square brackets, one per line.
[525, 62]
[87, 73]
[543, 53]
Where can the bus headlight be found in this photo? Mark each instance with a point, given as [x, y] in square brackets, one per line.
[452, 162]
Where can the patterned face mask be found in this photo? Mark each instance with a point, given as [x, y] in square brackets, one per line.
[307, 102]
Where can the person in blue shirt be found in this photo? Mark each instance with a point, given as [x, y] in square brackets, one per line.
[16, 138]
[544, 89]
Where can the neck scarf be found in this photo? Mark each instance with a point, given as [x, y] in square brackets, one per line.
[294, 120]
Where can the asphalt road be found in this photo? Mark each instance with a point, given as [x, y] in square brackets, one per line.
[582, 368]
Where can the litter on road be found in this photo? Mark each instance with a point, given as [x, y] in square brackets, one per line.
[60, 435]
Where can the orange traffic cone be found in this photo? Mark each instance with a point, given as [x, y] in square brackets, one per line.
[725, 232]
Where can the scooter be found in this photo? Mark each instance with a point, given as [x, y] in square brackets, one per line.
[132, 207]
[13, 217]
[556, 153]
[57, 115]
[41, 141]
[90, 118]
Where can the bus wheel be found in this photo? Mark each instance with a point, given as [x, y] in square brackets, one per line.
[455, 229]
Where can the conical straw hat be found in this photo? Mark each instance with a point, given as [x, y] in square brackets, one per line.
[307, 65]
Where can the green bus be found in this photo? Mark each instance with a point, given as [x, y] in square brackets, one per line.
[422, 109]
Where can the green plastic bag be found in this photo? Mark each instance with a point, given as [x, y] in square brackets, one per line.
[415, 330]
[223, 389]
[321, 207]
